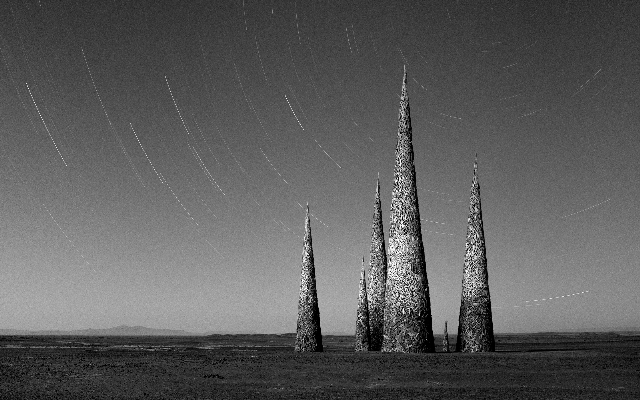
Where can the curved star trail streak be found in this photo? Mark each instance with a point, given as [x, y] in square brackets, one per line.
[585, 209]
[45, 126]
[539, 302]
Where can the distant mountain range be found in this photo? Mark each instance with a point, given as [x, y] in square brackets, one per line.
[122, 330]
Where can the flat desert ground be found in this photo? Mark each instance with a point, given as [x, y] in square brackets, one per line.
[525, 366]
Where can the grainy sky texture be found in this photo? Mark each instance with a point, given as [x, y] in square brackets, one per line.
[156, 158]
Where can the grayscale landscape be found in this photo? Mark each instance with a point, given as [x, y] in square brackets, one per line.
[319, 199]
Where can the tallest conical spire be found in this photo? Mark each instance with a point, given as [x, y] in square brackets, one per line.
[475, 326]
[405, 215]
[407, 314]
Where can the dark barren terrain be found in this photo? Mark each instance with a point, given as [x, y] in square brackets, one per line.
[531, 366]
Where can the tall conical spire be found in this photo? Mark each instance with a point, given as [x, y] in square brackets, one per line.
[377, 275]
[362, 323]
[308, 335]
[407, 313]
[475, 327]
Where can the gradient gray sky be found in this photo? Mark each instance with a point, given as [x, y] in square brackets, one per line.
[243, 111]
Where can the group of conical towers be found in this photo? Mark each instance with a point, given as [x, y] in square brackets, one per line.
[394, 307]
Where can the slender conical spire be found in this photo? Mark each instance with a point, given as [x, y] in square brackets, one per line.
[475, 327]
[407, 313]
[308, 335]
[362, 324]
[445, 339]
[377, 275]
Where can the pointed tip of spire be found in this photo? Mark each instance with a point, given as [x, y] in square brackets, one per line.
[475, 165]
[404, 78]
[403, 94]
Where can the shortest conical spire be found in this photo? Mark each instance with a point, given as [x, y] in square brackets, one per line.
[445, 339]
[362, 323]
[308, 334]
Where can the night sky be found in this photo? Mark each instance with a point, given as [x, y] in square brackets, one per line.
[156, 158]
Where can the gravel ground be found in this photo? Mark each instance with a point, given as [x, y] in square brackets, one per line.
[542, 366]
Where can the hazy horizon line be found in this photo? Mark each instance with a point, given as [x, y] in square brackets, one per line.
[133, 328]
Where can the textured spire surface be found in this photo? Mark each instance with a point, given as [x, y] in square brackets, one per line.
[475, 327]
[362, 323]
[308, 335]
[377, 276]
[407, 313]
[445, 339]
